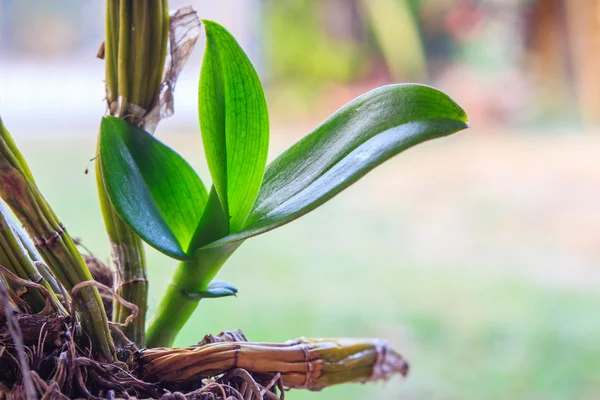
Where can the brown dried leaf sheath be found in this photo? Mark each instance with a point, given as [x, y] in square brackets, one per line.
[304, 363]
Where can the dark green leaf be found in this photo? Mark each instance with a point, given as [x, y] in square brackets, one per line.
[214, 224]
[357, 138]
[151, 187]
[215, 289]
[234, 123]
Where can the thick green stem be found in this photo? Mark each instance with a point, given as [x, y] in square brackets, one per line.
[179, 302]
[140, 51]
[37, 259]
[173, 311]
[136, 41]
[192, 277]
[54, 244]
[128, 258]
[159, 35]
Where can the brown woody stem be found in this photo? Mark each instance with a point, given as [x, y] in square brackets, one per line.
[303, 363]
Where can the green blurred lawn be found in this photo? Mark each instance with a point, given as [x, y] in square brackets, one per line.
[477, 256]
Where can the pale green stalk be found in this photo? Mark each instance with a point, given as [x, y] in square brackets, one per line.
[37, 259]
[135, 51]
[15, 257]
[55, 245]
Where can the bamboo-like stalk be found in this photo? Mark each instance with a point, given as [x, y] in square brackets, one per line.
[55, 245]
[128, 258]
[15, 258]
[136, 43]
[110, 53]
[303, 363]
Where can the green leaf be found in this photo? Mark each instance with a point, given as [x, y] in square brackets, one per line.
[361, 135]
[214, 290]
[234, 123]
[213, 225]
[151, 187]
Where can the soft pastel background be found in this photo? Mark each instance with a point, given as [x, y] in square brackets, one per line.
[477, 256]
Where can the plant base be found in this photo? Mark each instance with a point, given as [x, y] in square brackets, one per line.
[220, 367]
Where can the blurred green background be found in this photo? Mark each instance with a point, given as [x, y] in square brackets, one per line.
[477, 255]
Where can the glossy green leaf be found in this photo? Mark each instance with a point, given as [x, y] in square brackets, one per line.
[361, 135]
[151, 187]
[215, 290]
[234, 123]
[213, 225]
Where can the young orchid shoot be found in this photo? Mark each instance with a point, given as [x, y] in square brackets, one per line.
[160, 197]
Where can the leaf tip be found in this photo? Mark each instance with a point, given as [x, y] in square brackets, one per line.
[209, 25]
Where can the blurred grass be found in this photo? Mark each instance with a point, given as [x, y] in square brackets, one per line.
[476, 256]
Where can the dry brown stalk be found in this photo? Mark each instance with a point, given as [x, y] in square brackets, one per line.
[304, 363]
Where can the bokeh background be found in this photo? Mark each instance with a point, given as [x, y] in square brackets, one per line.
[477, 256]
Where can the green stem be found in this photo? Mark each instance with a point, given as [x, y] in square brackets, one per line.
[37, 259]
[52, 241]
[14, 257]
[123, 57]
[140, 51]
[159, 57]
[137, 31]
[110, 52]
[179, 302]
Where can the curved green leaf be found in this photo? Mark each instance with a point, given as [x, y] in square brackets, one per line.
[151, 187]
[215, 290]
[361, 135]
[234, 123]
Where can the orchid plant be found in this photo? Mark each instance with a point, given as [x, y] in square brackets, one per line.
[162, 199]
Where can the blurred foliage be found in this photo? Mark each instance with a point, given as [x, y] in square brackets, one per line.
[395, 28]
[312, 44]
[341, 41]
[302, 46]
[543, 52]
